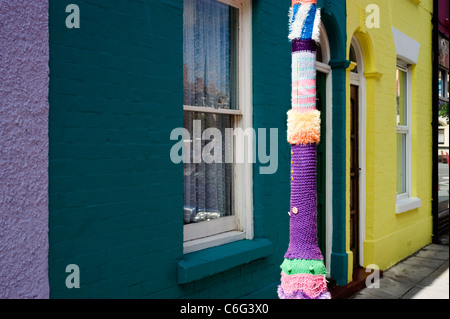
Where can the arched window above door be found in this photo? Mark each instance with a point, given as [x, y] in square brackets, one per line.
[353, 58]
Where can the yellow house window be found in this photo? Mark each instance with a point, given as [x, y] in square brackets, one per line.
[403, 130]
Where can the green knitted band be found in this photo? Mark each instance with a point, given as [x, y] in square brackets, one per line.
[303, 266]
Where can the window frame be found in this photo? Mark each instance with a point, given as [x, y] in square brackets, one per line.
[444, 92]
[405, 201]
[406, 130]
[240, 225]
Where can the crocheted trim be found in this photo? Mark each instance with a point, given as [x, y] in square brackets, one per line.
[311, 285]
[294, 2]
[303, 127]
[304, 21]
[303, 266]
[304, 45]
[297, 18]
[316, 28]
[300, 295]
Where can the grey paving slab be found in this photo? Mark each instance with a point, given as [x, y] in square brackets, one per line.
[423, 275]
[373, 294]
[409, 274]
[436, 247]
[415, 261]
[439, 275]
[433, 253]
[395, 287]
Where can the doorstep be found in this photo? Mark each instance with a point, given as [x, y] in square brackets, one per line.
[358, 283]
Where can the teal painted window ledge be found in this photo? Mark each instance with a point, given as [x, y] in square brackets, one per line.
[211, 261]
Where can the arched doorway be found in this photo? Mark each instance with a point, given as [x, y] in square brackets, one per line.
[357, 151]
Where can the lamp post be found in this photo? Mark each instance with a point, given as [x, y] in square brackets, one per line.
[303, 273]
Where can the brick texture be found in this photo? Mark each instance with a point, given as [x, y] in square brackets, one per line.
[116, 199]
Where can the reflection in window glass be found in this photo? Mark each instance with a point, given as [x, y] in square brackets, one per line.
[353, 58]
[448, 78]
[208, 183]
[401, 98]
[401, 163]
[441, 136]
[210, 54]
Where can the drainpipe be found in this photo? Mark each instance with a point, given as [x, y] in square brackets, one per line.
[435, 122]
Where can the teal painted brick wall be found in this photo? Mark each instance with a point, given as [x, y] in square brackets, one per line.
[115, 95]
[335, 21]
[115, 197]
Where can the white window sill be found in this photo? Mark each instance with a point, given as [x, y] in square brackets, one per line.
[407, 204]
[212, 241]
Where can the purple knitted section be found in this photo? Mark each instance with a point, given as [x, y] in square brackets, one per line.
[303, 223]
[303, 45]
[300, 295]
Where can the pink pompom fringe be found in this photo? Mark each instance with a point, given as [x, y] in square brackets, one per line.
[311, 285]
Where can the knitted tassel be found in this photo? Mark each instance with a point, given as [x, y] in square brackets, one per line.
[316, 28]
[303, 270]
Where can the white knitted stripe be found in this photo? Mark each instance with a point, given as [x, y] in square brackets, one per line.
[299, 21]
[316, 28]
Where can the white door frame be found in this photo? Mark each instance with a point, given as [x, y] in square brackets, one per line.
[360, 81]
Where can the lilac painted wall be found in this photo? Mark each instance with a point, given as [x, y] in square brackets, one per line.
[24, 83]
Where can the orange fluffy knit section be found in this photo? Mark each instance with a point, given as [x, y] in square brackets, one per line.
[303, 127]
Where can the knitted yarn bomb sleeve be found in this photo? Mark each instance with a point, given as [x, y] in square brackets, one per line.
[303, 270]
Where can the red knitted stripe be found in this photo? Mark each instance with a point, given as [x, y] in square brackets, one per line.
[294, 2]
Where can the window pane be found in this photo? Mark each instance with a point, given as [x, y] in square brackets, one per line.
[447, 88]
[441, 136]
[208, 184]
[401, 163]
[210, 54]
[401, 98]
[353, 58]
[319, 56]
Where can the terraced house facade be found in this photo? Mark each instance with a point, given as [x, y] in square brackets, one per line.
[88, 144]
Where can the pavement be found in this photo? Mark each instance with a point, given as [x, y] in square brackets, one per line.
[423, 275]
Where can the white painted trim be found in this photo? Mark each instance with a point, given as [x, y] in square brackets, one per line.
[406, 47]
[244, 208]
[235, 3]
[359, 80]
[212, 241]
[209, 228]
[404, 205]
[242, 221]
[355, 78]
[203, 109]
[324, 67]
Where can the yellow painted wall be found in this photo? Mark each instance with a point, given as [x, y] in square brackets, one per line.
[390, 237]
